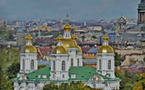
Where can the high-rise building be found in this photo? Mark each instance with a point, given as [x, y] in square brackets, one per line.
[141, 12]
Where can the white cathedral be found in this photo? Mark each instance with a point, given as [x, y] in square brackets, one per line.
[66, 65]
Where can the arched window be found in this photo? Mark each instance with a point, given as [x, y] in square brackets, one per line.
[63, 76]
[71, 62]
[109, 64]
[78, 61]
[100, 64]
[63, 65]
[23, 64]
[53, 65]
[32, 64]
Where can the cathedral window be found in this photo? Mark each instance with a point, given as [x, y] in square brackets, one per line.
[78, 61]
[71, 62]
[109, 64]
[63, 76]
[32, 64]
[53, 65]
[100, 66]
[63, 65]
[23, 64]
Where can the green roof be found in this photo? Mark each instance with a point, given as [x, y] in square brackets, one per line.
[83, 73]
[38, 74]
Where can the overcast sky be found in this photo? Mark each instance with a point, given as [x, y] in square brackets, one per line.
[77, 9]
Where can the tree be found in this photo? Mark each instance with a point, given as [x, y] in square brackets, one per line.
[50, 86]
[117, 59]
[13, 69]
[35, 43]
[141, 83]
[144, 59]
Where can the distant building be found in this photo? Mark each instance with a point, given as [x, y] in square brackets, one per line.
[141, 12]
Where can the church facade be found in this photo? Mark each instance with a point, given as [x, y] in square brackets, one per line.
[66, 65]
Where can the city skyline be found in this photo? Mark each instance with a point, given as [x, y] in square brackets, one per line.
[78, 10]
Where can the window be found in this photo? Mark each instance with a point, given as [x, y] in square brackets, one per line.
[32, 64]
[53, 65]
[100, 66]
[63, 65]
[23, 64]
[53, 75]
[73, 76]
[78, 62]
[109, 64]
[71, 62]
[63, 76]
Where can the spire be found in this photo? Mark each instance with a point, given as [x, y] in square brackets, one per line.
[67, 16]
[67, 27]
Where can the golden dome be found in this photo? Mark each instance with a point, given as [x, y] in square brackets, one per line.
[67, 27]
[68, 43]
[29, 38]
[105, 38]
[59, 50]
[117, 35]
[29, 49]
[59, 38]
[79, 48]
[74, 37]
[105, 49]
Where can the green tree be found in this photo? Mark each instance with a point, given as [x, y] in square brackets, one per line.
[35, 43]
[50, 86]
[13, 69]
[117, 59]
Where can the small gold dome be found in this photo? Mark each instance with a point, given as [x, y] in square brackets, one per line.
[117, 35]
[29, 38]
[79, 48]
[29, 49]
[59, 50]
[105, 38]
[74, 37]
[59, 38]
[68, 43]
[67, 27]
[105, 49]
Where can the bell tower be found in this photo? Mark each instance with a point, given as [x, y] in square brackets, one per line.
[28, 57]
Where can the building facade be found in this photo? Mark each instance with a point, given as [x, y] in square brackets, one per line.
[141, 12]
[66, 65]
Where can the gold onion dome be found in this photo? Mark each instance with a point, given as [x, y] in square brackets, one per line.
[105, 49]
[68, 43]
[59, 38]
[67, 27]
[29, 48]
[79, 48]
[59, 50]
[105, 38]
[29, 38]
[74, 37]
